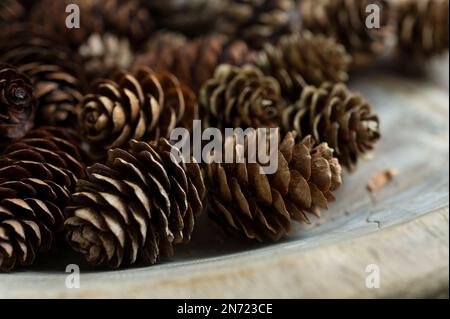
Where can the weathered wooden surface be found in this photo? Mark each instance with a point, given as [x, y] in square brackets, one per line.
[403, 228]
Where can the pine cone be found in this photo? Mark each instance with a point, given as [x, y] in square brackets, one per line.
[256, 21]
[11, 11]
[194, 62]
[103, 54]
[345, 20]
[422, 28]
[333, 114]
[304, 59]
[241, 97]
[17, 104]
[144, 106]
[136, 207]
[50, 15]
[37, 175]
[191, 17]
[259, 206]
[55, 71]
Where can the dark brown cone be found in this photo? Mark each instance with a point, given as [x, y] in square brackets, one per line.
[345, 20]
[256, 21]
[304, 59]
[11, 11]
[246, 202]
[194, 62]
[17, 104]
[103, 54]
[241, 97]
[192, 18]
[55, 71]
[145, 106]
[136, 207]
[422, 28]
[37, 175]
[334, 114]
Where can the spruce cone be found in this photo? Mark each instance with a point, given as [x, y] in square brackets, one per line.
[260, 206]
[136, 207]
[333, 114]
[55, 71]
[256, 21]
[345, 20]
[191, 17]
[144, 106]
[105, 53]
[422, 28]
[241, 97]
[37, 175]
[194, 62]
[17, 104]
[11, 11]
[304, 59]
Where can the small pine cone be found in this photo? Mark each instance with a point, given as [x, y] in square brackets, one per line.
[11, 11]
[304, 59]
[55, 71]
[105, 53]
[145, 106]
[422, 28]
[50, 15]
[334, 114]
[191, 17]
[194, 62]
[17, 104]
[345, 20]
[136, 207]
[259, 206]
[37, 175]
[256, 21]
[241, 97]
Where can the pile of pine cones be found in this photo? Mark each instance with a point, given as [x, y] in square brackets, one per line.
[86, 113]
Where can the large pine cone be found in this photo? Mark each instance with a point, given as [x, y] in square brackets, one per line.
[259, 206]
[304, 59]
[194, 62]
[422, 28]
[192, 17]
[241, 97]
[333, 114]
[11, 11]
[37, 175]
[145, 106]
[103, 54]
[136, 207]
[256, 21]
[17, 104]
[346, 21]
[55, 71]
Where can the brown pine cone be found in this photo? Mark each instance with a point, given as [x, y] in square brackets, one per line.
[17, 104]
[194, 62]
[259, 206]
[103, 54]
[304, 59]
[136, 207]
[241, 97]
[55, 71]
[422, 28]
[37, 175]
[145, 106]
[345, 20]
[192, 17]
[334, 114]
[11, 11]
[256, 21]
